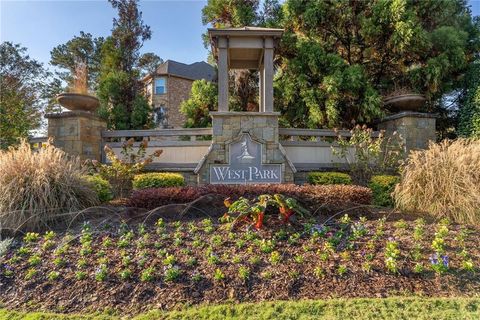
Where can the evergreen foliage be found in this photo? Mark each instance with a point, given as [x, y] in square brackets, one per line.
[203, 99]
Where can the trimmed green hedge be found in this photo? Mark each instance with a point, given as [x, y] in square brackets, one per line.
[158, 180]
[328, 178]
[101, 186]
[382, 188]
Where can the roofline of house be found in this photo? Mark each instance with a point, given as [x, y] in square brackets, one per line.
[151, 75]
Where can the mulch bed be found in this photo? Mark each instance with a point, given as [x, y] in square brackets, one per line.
[295, 276]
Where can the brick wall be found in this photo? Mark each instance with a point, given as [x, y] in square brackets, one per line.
[178, 90]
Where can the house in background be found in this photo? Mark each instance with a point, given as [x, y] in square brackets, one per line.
[170, 85]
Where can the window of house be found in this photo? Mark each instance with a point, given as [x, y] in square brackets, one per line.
[160, 87]
[160, 117]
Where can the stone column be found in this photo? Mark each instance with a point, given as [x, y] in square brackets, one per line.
[261, 126]
[261, 104]
[78, 133]
[268, 75]
[222, 74]
[416, 129]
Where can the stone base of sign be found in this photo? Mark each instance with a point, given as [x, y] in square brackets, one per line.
[79, 133]
[417, 129]
[229, 127]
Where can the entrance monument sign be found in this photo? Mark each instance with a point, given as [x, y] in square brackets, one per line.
[245, 165]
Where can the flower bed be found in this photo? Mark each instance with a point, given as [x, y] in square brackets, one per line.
[338, 196]
[134, 268]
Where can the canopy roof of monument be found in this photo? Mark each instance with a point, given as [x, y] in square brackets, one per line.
[245, 45]
[245, 32]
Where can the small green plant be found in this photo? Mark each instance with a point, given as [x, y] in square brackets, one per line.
[213, 259]
[125, 274]
[24, 251]
[243, 273]
[172, 273]
[418, 268]
[196, 277]
[147, 275]
[275, 257]
[392, 254]
[53, 275]
[400, 224]
[34, 260]
[101, 273]
[299, 259]
[255, 260]
[367, 267]
[419, 229]
[49, 235]
[82, 263]
[319, 272]
[216, 240]
[267, 246]
[169, 260]
[192, 261]
[342, 270]
[47, 245]
[31, 272]
[31, 237]
[218, 275]
[80, 275]
[59, 262]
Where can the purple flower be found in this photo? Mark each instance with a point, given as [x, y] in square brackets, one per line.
[434, 259]
[445, 260]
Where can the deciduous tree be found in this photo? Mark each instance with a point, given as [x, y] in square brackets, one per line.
[22, 80]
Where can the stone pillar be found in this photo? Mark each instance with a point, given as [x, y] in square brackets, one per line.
[268, 75]
[222, 74]
[261, 104]
[78, 133]
[415, 128]
[262, 127]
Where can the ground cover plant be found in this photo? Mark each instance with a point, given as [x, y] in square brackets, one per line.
[38, 187]
[166, 263]
[443, 181]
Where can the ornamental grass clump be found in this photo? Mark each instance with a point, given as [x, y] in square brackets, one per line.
[443, 180]
[37, 188]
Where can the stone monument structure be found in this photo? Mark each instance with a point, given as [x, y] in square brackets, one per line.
[417, 129]
[78, 131]
[245, 146]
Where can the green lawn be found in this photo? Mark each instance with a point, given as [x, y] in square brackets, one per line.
[389, 308]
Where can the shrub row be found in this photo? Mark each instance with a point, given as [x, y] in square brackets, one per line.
[328, 178]
[338, 196]
[158, 180]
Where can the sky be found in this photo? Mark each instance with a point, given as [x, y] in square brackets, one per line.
[176, 25]
[41, 25]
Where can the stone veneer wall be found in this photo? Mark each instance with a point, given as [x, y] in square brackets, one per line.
[78, 133]
[416, 128]
[178, 90]
[262, 126]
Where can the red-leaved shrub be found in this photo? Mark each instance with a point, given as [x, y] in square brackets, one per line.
[338, 196]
